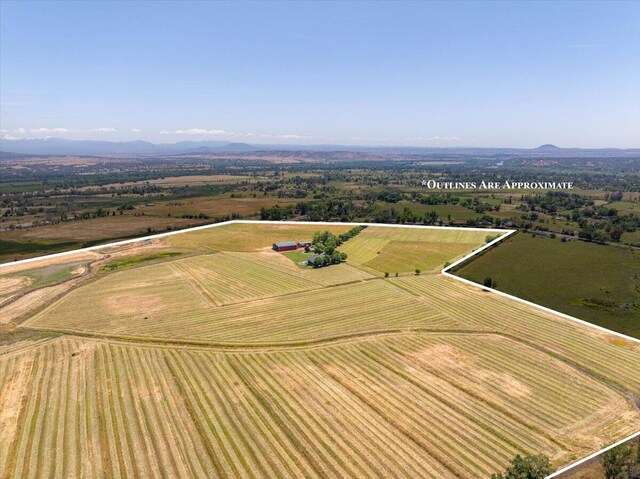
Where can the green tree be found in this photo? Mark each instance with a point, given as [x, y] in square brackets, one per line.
[617, 462]
[616, 233]
[417, 271]
[527, 467]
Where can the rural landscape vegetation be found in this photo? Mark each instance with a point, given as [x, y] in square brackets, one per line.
[208, 353]
[310, 239]
[58, 203]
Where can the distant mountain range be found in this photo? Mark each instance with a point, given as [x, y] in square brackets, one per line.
[60, 146]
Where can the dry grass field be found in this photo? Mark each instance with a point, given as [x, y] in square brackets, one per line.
[401, 250]
[189, 180]
[229, 360]
[97, 228]
[248, 236]
[214, 207]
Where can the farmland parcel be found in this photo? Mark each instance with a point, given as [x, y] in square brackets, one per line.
[611, 299]
[207, 354]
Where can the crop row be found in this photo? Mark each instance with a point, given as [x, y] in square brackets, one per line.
[426, 405]
[405, 249]
[363, 247]
[427, 235]
[79, 409]
[577, 344]
[340, 311]
[337, 274]
[228, 279]
[248, 236]
[193, 285]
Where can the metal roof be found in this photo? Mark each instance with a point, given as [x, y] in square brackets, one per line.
[314, 258]
[286, 243]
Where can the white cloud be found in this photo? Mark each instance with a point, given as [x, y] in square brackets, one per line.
[50, 130]
[35, 133]
[103, 130]
[237, 134]
[203, 131]
[136, 130]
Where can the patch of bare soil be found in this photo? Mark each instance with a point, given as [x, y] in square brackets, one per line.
[441, 356]
[79, 271]
[447, 358]
[86, 347]
[126, 304]
[11, 284]
[30, 302]
[9, 268]
[505, 382]
[131, 249]
[14, 308]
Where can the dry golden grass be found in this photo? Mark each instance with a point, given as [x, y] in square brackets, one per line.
[360, 409]
[98, 228]
[248, 236]
[174, 181]
[11, 284]
[402, 250]
[11, 268]
[297, 375]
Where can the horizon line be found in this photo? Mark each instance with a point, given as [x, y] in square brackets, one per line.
[309, 145]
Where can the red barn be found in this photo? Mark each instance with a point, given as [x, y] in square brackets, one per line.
[285, 246]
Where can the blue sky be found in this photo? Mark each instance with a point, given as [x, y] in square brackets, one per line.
[427, 74]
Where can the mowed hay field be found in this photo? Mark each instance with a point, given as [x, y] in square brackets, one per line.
[248, 236]
[325, 314]
[232, 361]
[402, 250]
[96, 229]
[414, 405]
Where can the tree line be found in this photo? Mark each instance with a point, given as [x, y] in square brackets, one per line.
[326, 243]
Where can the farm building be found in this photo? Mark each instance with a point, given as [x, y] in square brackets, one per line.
[305, 244]
[285, 246]
[312, 261]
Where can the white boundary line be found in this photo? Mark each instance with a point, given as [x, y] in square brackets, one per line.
[548, 310]
[505, 234]
[592, 456]
[524, 301]
[215, 225]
